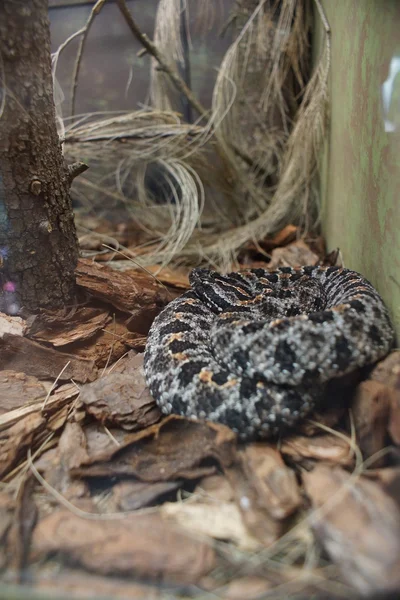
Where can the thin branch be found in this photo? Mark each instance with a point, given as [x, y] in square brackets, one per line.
[76, 169]
[152, 49]
[95, 11]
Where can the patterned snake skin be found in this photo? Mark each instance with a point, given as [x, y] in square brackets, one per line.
[254, 349]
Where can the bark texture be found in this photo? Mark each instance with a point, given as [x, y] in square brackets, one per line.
[38, 245]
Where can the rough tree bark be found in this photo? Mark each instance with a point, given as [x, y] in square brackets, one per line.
[38, 244]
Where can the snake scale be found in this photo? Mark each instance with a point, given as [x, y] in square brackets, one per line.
[255, 349]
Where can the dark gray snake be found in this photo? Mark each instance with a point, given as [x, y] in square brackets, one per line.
[255, 349]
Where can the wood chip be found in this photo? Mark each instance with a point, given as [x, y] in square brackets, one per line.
[221, 521]
[371, 409]
[60, 397]
[121, 399]
[17, 389]
[326, 448]
[387, 372]
[61, 328]
[7, 507]
[132, 495]
[13, 325]
[124, 291]
[145, 546]
[16, 354]
[15, 441]
[172, 449]
[358, 524]
[76, 584]
[266, 491]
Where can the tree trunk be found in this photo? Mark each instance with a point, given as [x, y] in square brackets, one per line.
[38, 244]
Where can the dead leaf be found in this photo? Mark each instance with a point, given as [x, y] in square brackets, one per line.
[177, 277]
[281, 238]
[296, 254]
[61, 328]
[144, 546]
[359, 527]
[16, 354]
[172, 449]
[121, 399]
[17, 389]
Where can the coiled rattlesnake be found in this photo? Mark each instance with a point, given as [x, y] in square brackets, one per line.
[255, 349]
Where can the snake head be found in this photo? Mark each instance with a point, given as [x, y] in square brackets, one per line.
[222, 292]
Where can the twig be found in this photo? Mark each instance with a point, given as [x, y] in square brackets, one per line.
[3, 88]
[327, 28]
[152, 49]
[76, 169]
[54, 385]
[95, 11]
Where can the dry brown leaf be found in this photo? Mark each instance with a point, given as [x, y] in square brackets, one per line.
[266, 491]
[121, 399]
[281, 238]
[61, 328]
[126, 292]
[17, 389]
[16, 354]
[296, 254]
[326, 447]
[172, 449]
[144, 546]
[177, 277]
[370, 410]
[359, 527]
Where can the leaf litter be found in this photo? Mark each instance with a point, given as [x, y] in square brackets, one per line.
[99, 488]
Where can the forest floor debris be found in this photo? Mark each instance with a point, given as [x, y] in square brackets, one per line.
[100, 495]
